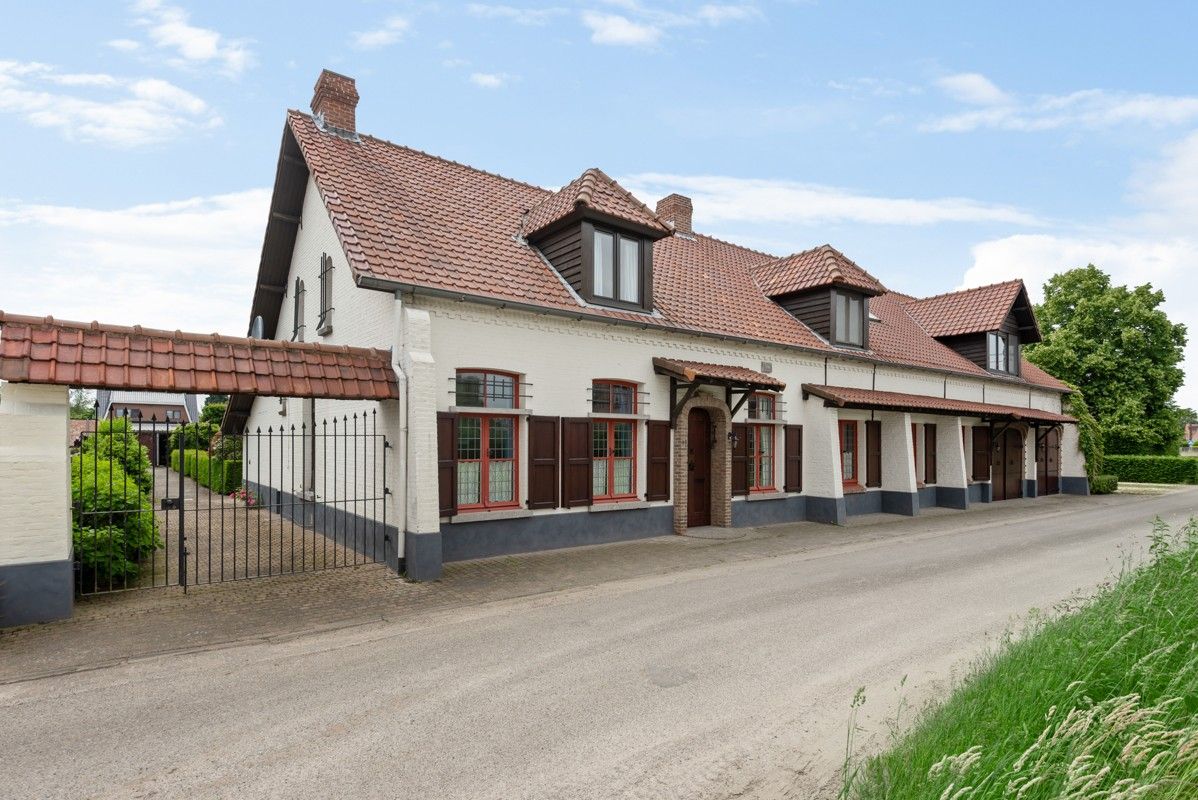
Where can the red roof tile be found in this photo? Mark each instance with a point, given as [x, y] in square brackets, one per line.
[812, 269]
[596, 191]
[976, 310]
[88, 354]
[692, 370]
[846, 397]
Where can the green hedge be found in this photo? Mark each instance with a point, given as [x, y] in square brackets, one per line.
[1104, 484]
[116, 440]
[113, 521]
[1153, 469]
[217, 474]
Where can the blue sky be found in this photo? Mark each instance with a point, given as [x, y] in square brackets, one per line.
[939, 145]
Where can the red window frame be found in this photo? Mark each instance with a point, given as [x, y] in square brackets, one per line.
[484, 461]
[844, 425]
[612, 384]
[610, 426]
[489, 372]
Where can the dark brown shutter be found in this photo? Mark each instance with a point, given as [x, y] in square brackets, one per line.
[576, 462]
[873, 453]
[981, 453]
[542, 461]
[792, 474]
[657, 460]
[740, 458]
[929, 453]
[447, 463]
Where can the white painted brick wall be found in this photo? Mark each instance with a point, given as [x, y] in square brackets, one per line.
[35, 488]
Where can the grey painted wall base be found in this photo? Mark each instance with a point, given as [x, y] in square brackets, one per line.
[980, 493]
[866, 502]
[40, 592]
[927, 496]
[747, 513]
[827, 509]
[952, 497]
[423, 555]
[1029, 488]
[487, 538]
[1074, 485]
[904, 503]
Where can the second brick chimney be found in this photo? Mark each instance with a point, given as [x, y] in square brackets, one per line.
[335, 99]
[676, 210]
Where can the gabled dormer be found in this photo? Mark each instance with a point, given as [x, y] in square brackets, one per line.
[988, 325]
[825, 290]
[600, 240]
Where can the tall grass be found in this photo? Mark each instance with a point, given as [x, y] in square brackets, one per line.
[1097, 704]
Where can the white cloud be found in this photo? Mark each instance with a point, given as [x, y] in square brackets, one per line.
[390, 32]
[1157, 245]
[877, 87]
[124, 45]
[145, 264]
[521, 16]
[1089, 109]
[714, 14]
[489, 80]
[973, 88]
[720, 199]
[169, 28]
[454, 63]
[100, 108]
[617, 30]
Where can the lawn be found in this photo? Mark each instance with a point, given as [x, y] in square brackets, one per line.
[1099, 702]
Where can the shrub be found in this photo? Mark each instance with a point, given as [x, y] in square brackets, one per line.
[116, 440]
[226, 448]
[217, 474]
[195, 435]
[1153, 469]
[1089, 433]
[1104, 484]
[113, 520]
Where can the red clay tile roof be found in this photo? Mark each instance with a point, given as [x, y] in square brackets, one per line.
[49, 351]
[690, 370]
[812, 269]
[976, 310]
[412, 219]
[594, 190]
[846, 397]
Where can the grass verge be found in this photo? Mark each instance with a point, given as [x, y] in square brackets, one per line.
[1100, 703]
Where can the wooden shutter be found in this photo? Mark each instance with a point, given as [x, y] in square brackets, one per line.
[873, 453]
[929, 453]
[447, 463]
[657, 460]
[543, 452]
[792, 474]
[740, 458]
[981, 453]
[576, 462]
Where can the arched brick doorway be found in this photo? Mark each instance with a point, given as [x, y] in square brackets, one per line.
[710, 415]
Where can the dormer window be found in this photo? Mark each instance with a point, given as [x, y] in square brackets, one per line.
[1002, 352]
[616, 267]
[850, 315]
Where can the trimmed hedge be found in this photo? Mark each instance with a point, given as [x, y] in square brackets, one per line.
[1104, 484]
[217, 474]
[113, 521]
[1153, 469]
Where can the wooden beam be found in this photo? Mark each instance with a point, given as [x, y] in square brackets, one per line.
[677, 409]
[281, 217]
[744, 397]
[270, 287]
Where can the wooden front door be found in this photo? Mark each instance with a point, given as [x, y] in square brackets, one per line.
[698, 491]
[1006, 473]
[1048, 469]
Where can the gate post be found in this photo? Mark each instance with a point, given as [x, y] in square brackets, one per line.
[36, 566]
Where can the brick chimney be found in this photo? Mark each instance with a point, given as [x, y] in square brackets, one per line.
[676, 210]
[336, 100]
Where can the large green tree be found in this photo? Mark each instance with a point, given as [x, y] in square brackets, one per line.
[1119, 346]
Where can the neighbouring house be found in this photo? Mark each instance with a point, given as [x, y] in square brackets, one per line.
[576, 367]
[153, 414]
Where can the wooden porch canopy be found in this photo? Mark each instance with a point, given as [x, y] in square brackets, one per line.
[88, 354]
[690, 375]
[870, 400]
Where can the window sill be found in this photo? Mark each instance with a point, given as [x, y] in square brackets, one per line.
[597, 415]
[484, 516]
[617, 505]
[502, 412]
[778, 422]
[854, 488]
[769, 495]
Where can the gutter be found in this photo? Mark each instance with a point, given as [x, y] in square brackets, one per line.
[390, 286]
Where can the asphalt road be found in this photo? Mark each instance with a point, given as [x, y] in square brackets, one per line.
[732, 680]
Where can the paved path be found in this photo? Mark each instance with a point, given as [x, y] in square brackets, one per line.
[668, 668]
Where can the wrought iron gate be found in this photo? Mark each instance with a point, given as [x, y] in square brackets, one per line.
[159, 503]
